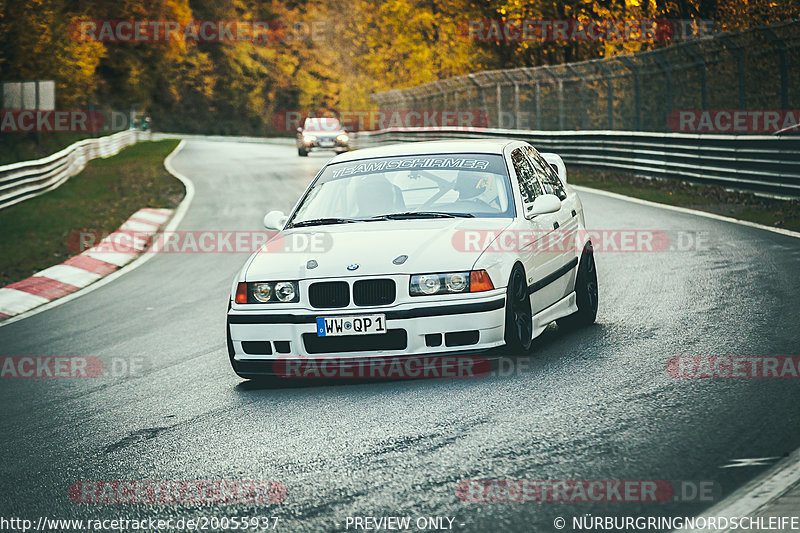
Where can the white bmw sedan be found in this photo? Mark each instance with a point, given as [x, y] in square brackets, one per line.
[422, 249]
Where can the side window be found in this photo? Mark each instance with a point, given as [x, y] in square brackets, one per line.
[528, 184]
[550, 180]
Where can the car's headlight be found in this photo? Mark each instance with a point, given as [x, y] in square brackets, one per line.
[262, 292]
[450, 283]
[309, 138]
[457, 282]
[267, 292]
[342, 138]
[285, 291]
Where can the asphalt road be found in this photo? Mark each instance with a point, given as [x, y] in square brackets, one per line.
[595, 404]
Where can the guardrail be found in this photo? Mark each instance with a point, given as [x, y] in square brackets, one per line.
[756, 163]
[27, 179]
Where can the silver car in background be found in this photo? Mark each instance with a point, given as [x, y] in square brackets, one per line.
[322, 133]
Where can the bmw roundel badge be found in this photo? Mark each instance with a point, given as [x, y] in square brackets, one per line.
[354, 266]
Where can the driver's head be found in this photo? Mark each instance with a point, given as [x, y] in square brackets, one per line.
[469, 184]
[375, 196]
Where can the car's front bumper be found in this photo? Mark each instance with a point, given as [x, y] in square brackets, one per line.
[476, 323]
[459, 364]
[323, 144]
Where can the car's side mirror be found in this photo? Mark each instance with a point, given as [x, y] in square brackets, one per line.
[275, 220]
[299, 130]
[544, 204]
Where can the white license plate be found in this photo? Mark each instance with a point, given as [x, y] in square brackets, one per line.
[326, 144]
[351, 325]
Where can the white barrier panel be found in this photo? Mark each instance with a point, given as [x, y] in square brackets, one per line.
[27, 179]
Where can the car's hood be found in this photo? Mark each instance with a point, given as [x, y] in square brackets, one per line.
[432, 245]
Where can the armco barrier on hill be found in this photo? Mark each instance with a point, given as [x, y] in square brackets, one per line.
[27, 179]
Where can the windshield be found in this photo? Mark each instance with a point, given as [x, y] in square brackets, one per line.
[322, 124]
[470, 185]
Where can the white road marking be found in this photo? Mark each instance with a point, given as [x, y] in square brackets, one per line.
[688, 211]
[755, 461]
[765, 488]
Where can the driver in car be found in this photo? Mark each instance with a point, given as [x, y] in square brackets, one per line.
[470, 185]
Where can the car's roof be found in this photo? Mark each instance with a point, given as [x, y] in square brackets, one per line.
[322, 120]
[322, 124]
[476, 146]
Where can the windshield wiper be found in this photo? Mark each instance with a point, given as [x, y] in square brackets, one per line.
[423, 214]
[322, 222]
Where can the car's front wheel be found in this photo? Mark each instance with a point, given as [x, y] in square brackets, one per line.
[585, 293]
[301, 152]
[519, 319]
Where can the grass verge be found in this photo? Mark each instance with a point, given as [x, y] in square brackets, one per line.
[710, 198]
[108, 191]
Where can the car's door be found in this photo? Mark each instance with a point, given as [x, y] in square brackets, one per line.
[535, 234]
[565, 225]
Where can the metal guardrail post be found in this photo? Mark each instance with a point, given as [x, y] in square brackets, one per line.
[667, 70]
[456, 96]
[701, 60]
[609, 92]
[480, 94]
[538, 95]
[783, 66]
[584, 110]
[739, 53]
[531, 79]
[499, 102]
[560, 84]
[637, 90]
[443, 94]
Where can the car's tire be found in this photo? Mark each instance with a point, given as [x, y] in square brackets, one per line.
[519, 319]
[585, 293]
[302, 153]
